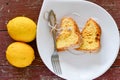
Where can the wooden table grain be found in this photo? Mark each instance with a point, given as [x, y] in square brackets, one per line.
[37, 70]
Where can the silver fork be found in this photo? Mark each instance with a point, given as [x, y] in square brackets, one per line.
[55, 57]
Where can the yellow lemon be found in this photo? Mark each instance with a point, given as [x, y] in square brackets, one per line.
[20, 54]
[22, 29]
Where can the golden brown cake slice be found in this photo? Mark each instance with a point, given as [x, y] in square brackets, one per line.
[91, 37]
[69, 36]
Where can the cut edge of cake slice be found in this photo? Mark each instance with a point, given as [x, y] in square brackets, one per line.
[70, 36]
[91, 36]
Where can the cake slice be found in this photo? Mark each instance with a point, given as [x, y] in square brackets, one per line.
[69, 36]
[91, 34]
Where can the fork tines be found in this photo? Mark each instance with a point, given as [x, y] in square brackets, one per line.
[56, 64]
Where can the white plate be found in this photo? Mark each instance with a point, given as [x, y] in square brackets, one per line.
[83, 66]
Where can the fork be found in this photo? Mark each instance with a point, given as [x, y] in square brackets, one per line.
[55, 57]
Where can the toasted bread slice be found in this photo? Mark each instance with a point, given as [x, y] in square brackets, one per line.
[91, 34]
[69, 36]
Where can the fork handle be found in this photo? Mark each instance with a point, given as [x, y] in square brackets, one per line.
[54, 39]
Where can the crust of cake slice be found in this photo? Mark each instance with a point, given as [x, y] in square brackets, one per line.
[70, 35]
[91, 34]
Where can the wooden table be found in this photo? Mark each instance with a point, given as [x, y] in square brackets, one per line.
[37, 70]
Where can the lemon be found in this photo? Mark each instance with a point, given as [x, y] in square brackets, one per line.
[20, 54]
[22, 29]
